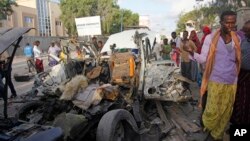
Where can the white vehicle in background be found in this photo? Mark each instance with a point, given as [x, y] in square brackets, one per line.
[125, 40]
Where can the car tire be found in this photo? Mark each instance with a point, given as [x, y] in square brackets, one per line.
[115, 121]
[22, 78]
[26, 109]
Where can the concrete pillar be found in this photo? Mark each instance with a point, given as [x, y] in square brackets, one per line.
[243, 15]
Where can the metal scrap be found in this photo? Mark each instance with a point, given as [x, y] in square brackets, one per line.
[165, 85]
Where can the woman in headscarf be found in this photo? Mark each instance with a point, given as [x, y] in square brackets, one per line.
[194, 66]
[193, 36]
[206, 30]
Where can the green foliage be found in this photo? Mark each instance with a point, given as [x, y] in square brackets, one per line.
[115, 24]
[5, 8]
[183, 18]
[108, 10]
[206, 14]
[222, 5]
[129, 19]
[72, 9]
[124, 18]
[229, 5]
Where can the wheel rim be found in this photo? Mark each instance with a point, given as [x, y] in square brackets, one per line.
[26, 116]
[119, 132]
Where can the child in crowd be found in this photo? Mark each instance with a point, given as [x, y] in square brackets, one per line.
[175, 54]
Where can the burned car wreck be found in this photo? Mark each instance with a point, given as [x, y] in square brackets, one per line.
[114, 97]
[11, 128]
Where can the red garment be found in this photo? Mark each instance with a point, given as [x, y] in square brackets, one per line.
[195, 39]
[206, 30]
[39, 65]
[197, 44]
[175, 56]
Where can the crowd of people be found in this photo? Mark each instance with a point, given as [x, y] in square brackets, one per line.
[34, 57]
[222, 59]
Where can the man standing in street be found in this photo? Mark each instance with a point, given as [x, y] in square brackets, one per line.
[95, 44]
[186, 69]
[53, 50]
[38, 57]
[157, 49]
[28, 52]
[222, 55]
[3, 59]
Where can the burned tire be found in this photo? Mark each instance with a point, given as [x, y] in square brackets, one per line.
[22, 78]
[27, 109]
[117, 125]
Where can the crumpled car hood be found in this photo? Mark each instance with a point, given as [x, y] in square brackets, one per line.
[161, 82]
[9, 35]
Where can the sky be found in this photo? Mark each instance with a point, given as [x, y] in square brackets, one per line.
[163, 14]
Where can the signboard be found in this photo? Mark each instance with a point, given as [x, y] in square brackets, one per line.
[88, 26]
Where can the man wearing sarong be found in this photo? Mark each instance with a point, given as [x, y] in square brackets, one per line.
[222, 55]
[186, 66]
[38, 58]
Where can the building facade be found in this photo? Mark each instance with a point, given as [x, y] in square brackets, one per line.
[43, 15]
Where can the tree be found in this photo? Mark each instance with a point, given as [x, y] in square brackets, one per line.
[124, 18]
[201, 15]
[184, 17]
[115, 24]
[6, 8]
[72, 9]
[206, 14]
[222, 5]
[108, 10]
[129, 19]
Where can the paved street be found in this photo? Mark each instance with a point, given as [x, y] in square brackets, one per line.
[19, 66]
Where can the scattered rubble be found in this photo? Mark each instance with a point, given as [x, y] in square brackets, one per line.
[119, 99]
